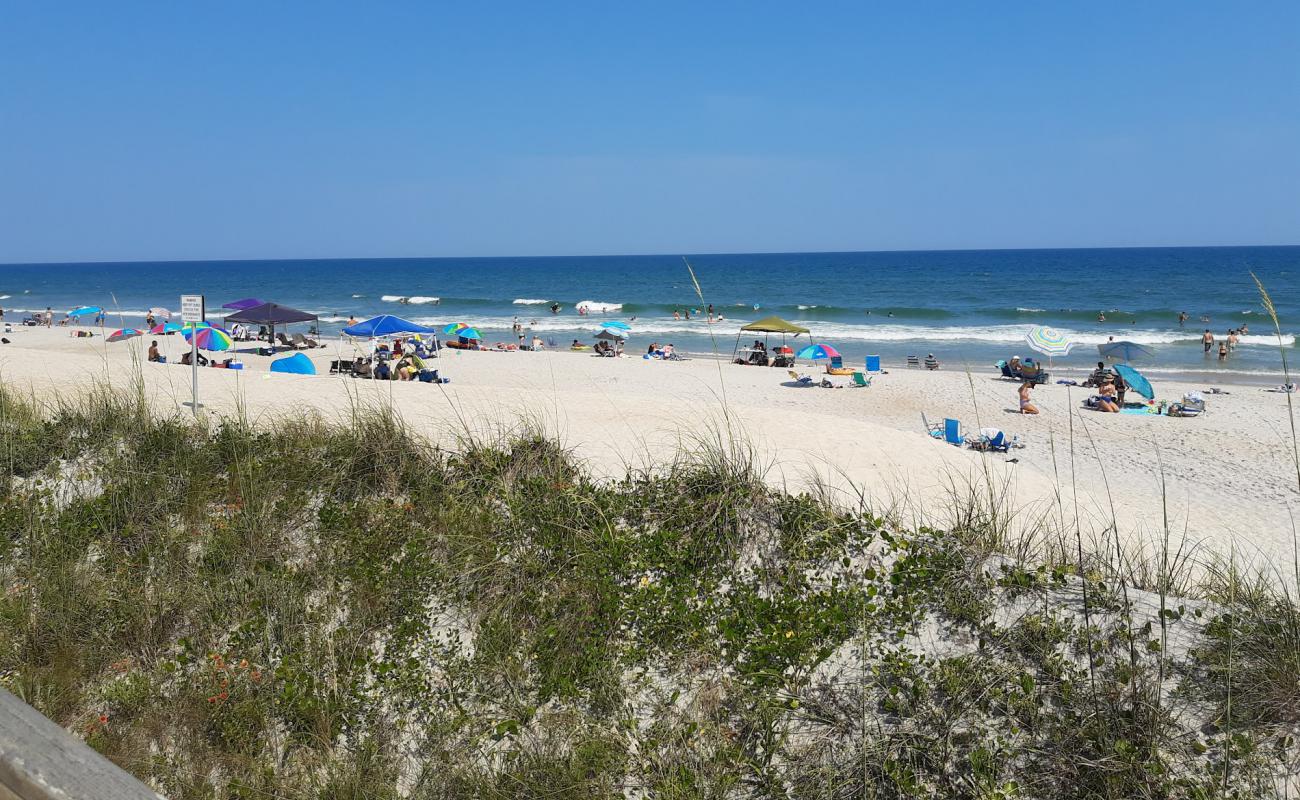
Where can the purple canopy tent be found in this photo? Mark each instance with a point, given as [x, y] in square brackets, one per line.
[246, 303]
[270, 314]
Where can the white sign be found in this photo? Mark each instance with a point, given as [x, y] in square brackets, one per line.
[192, 309]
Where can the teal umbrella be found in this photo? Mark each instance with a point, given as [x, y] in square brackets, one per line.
[84, 311]
[1136, 381]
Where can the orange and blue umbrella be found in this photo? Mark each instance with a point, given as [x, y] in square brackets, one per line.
[209, 338]
[815, 351]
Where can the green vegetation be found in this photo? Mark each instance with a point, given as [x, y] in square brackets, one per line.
[314, 610]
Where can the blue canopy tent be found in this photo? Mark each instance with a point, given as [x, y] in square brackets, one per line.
[296, 364]
[385, 325]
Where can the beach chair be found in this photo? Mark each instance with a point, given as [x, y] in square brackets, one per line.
[931, 362]
[1193, 405]
[802, 380]
[861, 380]
[913, 361]
[949, 430]
[873, 364]
[999, 442]
[1006, 370]
[284, 340]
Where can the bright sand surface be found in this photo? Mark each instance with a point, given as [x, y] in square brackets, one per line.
[1229, 478]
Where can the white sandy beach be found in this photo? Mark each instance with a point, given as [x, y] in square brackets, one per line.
[1228, 476]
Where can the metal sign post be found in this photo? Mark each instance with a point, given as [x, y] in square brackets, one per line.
[192, 312]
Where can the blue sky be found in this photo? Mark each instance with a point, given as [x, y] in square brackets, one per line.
[233, 130]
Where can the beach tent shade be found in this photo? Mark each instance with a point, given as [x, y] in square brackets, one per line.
[270, 314]
[774, 325]
[247, 302]
[296, 364]
[385, 325]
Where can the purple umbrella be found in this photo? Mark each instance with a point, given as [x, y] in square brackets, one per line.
[247, 302]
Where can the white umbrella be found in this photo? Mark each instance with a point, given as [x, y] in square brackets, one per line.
[160, 312]
[1049, 341]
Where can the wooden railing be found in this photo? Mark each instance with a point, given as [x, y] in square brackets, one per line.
[41, 761]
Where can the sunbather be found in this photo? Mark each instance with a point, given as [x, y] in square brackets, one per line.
[1027, 407]
[1106, 399]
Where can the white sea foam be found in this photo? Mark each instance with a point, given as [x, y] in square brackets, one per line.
[529, 301]
[842, 331]
[596, 307]
[415, 300]
[1024, 310]
[358, 295]
[806, 308]
[4, 297]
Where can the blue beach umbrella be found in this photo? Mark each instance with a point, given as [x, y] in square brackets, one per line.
[1124, 351]
[85, 311]
[1049, 341]
[616, 325]
[1136, 381]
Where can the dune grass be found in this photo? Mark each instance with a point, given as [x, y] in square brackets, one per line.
[312, 609]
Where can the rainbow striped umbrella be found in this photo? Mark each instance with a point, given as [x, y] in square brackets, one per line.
[462, 330]
[816, 351]
[1049, 341]
[209, 337]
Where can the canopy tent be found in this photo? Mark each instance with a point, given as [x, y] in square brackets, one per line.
[296, 364]
[609, 336]
[269, 314]
[769, 325]
[247, 302]
[385, 325]
[774, 325]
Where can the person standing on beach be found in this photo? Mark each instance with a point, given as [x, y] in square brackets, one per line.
[1026, 407]
[710, 312]
[1207, 340]
[49, 317]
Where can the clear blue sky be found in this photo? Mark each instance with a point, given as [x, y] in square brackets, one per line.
[276, 129]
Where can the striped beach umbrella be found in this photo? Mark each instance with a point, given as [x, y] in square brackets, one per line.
[1049, 341]
[816, 351]
[166, 327]
[209, 338]
[616, 325]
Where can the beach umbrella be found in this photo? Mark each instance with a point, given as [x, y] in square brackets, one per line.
[166, 327]
[85, 311]
[815, 351]
[1136, 381]
[159, 311]
[124, 334]
[609, 336]
[209, 338]
[1049, 341]
[462, 330]
[616, 325]
[1124, 351]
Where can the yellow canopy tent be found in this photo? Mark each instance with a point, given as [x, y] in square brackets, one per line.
[769, 325]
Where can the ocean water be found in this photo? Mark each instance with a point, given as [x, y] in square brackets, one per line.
[966, 307]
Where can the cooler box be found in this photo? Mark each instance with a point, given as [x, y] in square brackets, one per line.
[873, 363]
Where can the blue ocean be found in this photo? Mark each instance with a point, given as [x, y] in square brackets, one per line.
[966, 307]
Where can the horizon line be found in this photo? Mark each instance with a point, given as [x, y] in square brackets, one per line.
[644, 255]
